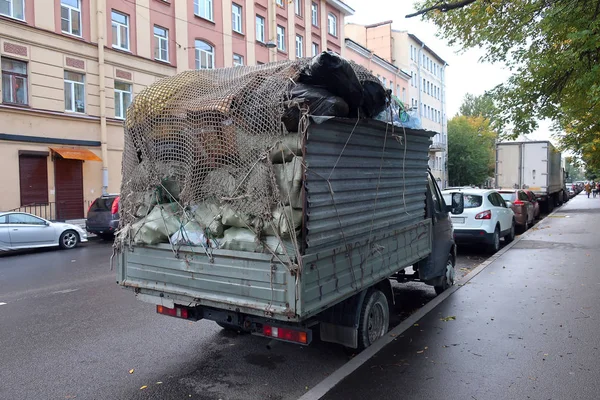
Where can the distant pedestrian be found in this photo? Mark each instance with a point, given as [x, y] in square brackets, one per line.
[588, 189]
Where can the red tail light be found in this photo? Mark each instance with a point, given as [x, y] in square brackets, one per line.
[115, 205]
[487, 214]
[177, 312]
[289, 335]
[90, 207]
[518, 202]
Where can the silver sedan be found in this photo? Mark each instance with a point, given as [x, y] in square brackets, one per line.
[26, 231]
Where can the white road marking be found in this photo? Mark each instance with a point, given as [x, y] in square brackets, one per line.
[65, 291]
[1, 304]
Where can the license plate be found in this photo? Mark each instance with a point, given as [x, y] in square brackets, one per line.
[458, 220]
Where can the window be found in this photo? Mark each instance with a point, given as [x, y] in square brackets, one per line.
[315, 49]
[428, 92]
[120, 30]
[299, 46]
[403, 95]
[236, 16]
[13, 8]
[423, 61]
[383, 81]
[205, 55]
[14, 82]
[25, 219]
[74, 92]
[122, 98]
[260, 29]
[424, 110]
[281, 38]
[314, 12]
[204, 9]
[238, 60]
[397, 90]
[423, 88]
[332, 24]
[279, 3]
[494, 200]
[161, 43]
[70, 17]
[298, 7]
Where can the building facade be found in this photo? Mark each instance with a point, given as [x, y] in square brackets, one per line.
[70, 68]
[426, 90]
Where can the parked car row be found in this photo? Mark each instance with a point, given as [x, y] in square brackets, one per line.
[490, 215]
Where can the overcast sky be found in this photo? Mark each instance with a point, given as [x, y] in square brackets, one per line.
[465, 74]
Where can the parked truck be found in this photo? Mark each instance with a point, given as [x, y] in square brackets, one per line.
[532, 165]
[358, 208]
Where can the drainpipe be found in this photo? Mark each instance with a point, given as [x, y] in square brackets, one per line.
[101, 22]
[273, 29]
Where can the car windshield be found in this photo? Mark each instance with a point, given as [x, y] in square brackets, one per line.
[471, 200]
[102, 204]
[508, 196]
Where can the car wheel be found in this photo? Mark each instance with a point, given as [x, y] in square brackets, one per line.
[511, 236]
[449, 275]
[495, 245]
[374, 319]
[68, 239]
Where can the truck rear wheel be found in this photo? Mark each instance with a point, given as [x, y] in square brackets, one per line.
[374, 319]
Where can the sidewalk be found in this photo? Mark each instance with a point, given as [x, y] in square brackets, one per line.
[526, 327]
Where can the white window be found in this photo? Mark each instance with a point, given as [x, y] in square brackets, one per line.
[383, 80]
[314, 12]
[332, 24]
[238, 61]
[236, 17]
[298, 7]
[315, 49]
[13, 8]
[204, 9]
[122, 99]
[120, 30]
[404, 95]
[205, 55]
[70, 17]
[391, 86]
[260, 29]
[14, 81]
[423, 88]
[74, 92]
[397, 90]
[281, 38]
[279, 3]
[299, 46]
[424, 111]
[161, 43]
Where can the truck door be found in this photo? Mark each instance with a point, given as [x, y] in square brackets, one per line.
[442, 232]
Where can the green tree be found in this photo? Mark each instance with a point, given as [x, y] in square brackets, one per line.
[470, 150]
[482, 106]
[553, 50]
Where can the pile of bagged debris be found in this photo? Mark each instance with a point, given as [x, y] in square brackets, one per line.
[213, 158]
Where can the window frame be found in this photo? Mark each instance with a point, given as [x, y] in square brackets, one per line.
[11, 8]
[160, 39]
[280, 44]
[118, 26]
[298, 7]
[299, 46]
[280, 3]
[208, 4]
[262, 26]
[315, 46]
[71, 10]
[314, 14]
[73, 84]
[199, 52]
[237, 18]
[121, 93]
[13, 76]
[241, 58]
[332, 23]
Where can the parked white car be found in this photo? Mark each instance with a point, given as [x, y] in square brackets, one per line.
[26, 231]
[486, 218]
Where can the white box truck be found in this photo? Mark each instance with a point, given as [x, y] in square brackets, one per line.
[532, 165]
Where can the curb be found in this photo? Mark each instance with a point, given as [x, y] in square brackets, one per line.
[323, 387]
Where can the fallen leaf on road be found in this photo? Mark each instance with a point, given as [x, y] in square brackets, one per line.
[305, 387]
[426, 347]
[420, 351]
[393, 335]
[143, 387]
[450, 318]
[159, 383]
[131, 371]
[416, 325]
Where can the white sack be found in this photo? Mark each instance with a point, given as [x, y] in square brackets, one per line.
[208, 216]
[289, 181]
[240, 239]
[285, 220]
[157, 226]
[286, 148]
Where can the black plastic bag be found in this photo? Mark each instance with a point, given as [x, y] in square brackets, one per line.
[319, 101]
[332, 72]
[374, 100]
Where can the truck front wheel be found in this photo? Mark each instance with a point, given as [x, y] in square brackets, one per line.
[374, 318]
[448, 279]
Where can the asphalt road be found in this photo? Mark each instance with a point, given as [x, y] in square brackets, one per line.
[67, 331]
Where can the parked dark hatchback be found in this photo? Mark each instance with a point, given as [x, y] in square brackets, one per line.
[103, 216]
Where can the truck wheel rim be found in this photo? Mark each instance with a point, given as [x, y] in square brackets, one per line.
[375, 322]
[69, 240]
[450, 272]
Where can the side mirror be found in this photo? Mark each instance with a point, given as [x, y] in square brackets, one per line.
[458, 203]
[508, 204]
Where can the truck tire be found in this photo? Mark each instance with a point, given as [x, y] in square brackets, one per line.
[449, 275]
[374, 318]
